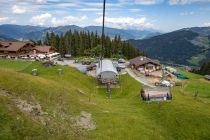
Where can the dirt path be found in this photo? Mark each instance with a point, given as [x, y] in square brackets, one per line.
[32, 109]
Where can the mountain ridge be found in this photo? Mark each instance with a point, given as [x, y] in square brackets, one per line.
[28, 32]
[188, 46]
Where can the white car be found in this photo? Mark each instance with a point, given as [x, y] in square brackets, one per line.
[121, 61]
[165, 83]
[122, 66]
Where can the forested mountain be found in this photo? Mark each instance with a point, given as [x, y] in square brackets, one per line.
[186, 46]
[17, 31]
[204, 31]
[88, 44]
[21, 32]
[6, 38]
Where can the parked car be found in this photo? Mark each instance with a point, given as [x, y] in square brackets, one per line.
[122, 66]
[164, 83]
[60, 59]
[121, 60]
[207, 77]
[86, 62]
[91, 67]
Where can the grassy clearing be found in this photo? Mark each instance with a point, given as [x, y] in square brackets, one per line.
[204, 41]
[195, 60]
[124, 116]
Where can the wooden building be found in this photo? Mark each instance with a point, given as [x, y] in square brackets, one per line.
[156, 94]
[144, 64]
[15, 48]
[44, 49]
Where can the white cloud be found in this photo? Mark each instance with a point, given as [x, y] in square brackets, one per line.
[148, 2]
[183, 2]
[42, 19]
[3, 19]
[187, 13]
[13, 21]
[140, 2]
[18, 9]
[48, 20]
[25, 1]
[207, 24]
[41, 1]
[126, 23]
[90, 9]
[134, 10]
[67, 20]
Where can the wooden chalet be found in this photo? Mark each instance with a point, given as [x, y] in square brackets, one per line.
[15, 48]
[144, 64]
[44, 49]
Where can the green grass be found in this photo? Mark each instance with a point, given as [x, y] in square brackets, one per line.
[195, 60]
[204, 41]
[124, 116]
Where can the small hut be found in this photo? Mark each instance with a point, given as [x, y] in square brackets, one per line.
[156, 94]
[106, 72]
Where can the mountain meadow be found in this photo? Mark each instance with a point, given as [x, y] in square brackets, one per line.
[70, 106]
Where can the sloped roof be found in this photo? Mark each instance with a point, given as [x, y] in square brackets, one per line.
[12, 46]
[107, 66]
[44, 49]
[141, 60]
[156, 92]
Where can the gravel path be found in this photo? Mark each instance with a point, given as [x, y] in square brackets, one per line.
[140, 79]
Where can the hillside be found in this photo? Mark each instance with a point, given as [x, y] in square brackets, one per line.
[186, 46]
[204, 31]
[37, 33]
[125, 116]
[17, 31]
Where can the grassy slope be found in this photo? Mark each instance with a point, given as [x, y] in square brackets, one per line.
[197, 59]
[122, 117]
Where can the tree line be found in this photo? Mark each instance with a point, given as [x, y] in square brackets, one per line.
[204, 70]
[89, 44]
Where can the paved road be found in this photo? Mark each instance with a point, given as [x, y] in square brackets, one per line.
[140, 79]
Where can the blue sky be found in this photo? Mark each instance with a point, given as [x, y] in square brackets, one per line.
[162, 15]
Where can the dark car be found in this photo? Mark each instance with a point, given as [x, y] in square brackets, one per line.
[60, 59]
[86, 63]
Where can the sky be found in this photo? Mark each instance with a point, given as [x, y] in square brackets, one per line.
[161, 15]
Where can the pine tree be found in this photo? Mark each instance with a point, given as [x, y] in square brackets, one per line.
[88, 44]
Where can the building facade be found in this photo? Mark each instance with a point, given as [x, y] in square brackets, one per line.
[144, 64]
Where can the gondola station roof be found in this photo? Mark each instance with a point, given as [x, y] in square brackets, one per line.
[106, 66]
